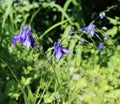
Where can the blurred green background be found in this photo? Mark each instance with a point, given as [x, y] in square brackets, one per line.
[89, 76]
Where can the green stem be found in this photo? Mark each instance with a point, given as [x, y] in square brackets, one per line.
[65, 8]
[42, 95]
[53, 67]
[25, 97]
[56, 76]
[10, 70]
[34, 15]
[7, 12]
[52, 27]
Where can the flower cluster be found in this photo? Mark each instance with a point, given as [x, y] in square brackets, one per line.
[90, 30]
[25, 38]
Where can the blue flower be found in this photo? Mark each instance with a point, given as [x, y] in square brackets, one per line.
[59, 51]
[100, 46]
[89, 29]
[101, 15]
[24, 37]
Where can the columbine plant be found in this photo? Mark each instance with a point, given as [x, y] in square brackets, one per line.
[59, 51]
[24, 37]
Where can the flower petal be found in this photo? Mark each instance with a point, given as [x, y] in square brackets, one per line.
[15, 39]
[91, 26]
[89, 29]
[59, 54]
[27, 42]
[66, 51]
[100, 46]
[23, 34]
[32, 41]
[59, 51]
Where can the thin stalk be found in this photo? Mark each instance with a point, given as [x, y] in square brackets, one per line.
[56, 76]
[39, 102]
[52, 27]
[10, 69]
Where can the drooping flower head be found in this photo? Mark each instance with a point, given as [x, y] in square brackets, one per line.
[100, 46]
[59, 51]
[89, 29]
[24, 37]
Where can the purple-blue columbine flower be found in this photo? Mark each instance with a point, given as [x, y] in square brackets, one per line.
[59, 51]
[89, 29]
[24, 37]
[100, 46]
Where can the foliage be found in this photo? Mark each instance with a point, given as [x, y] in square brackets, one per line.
[34, 76]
